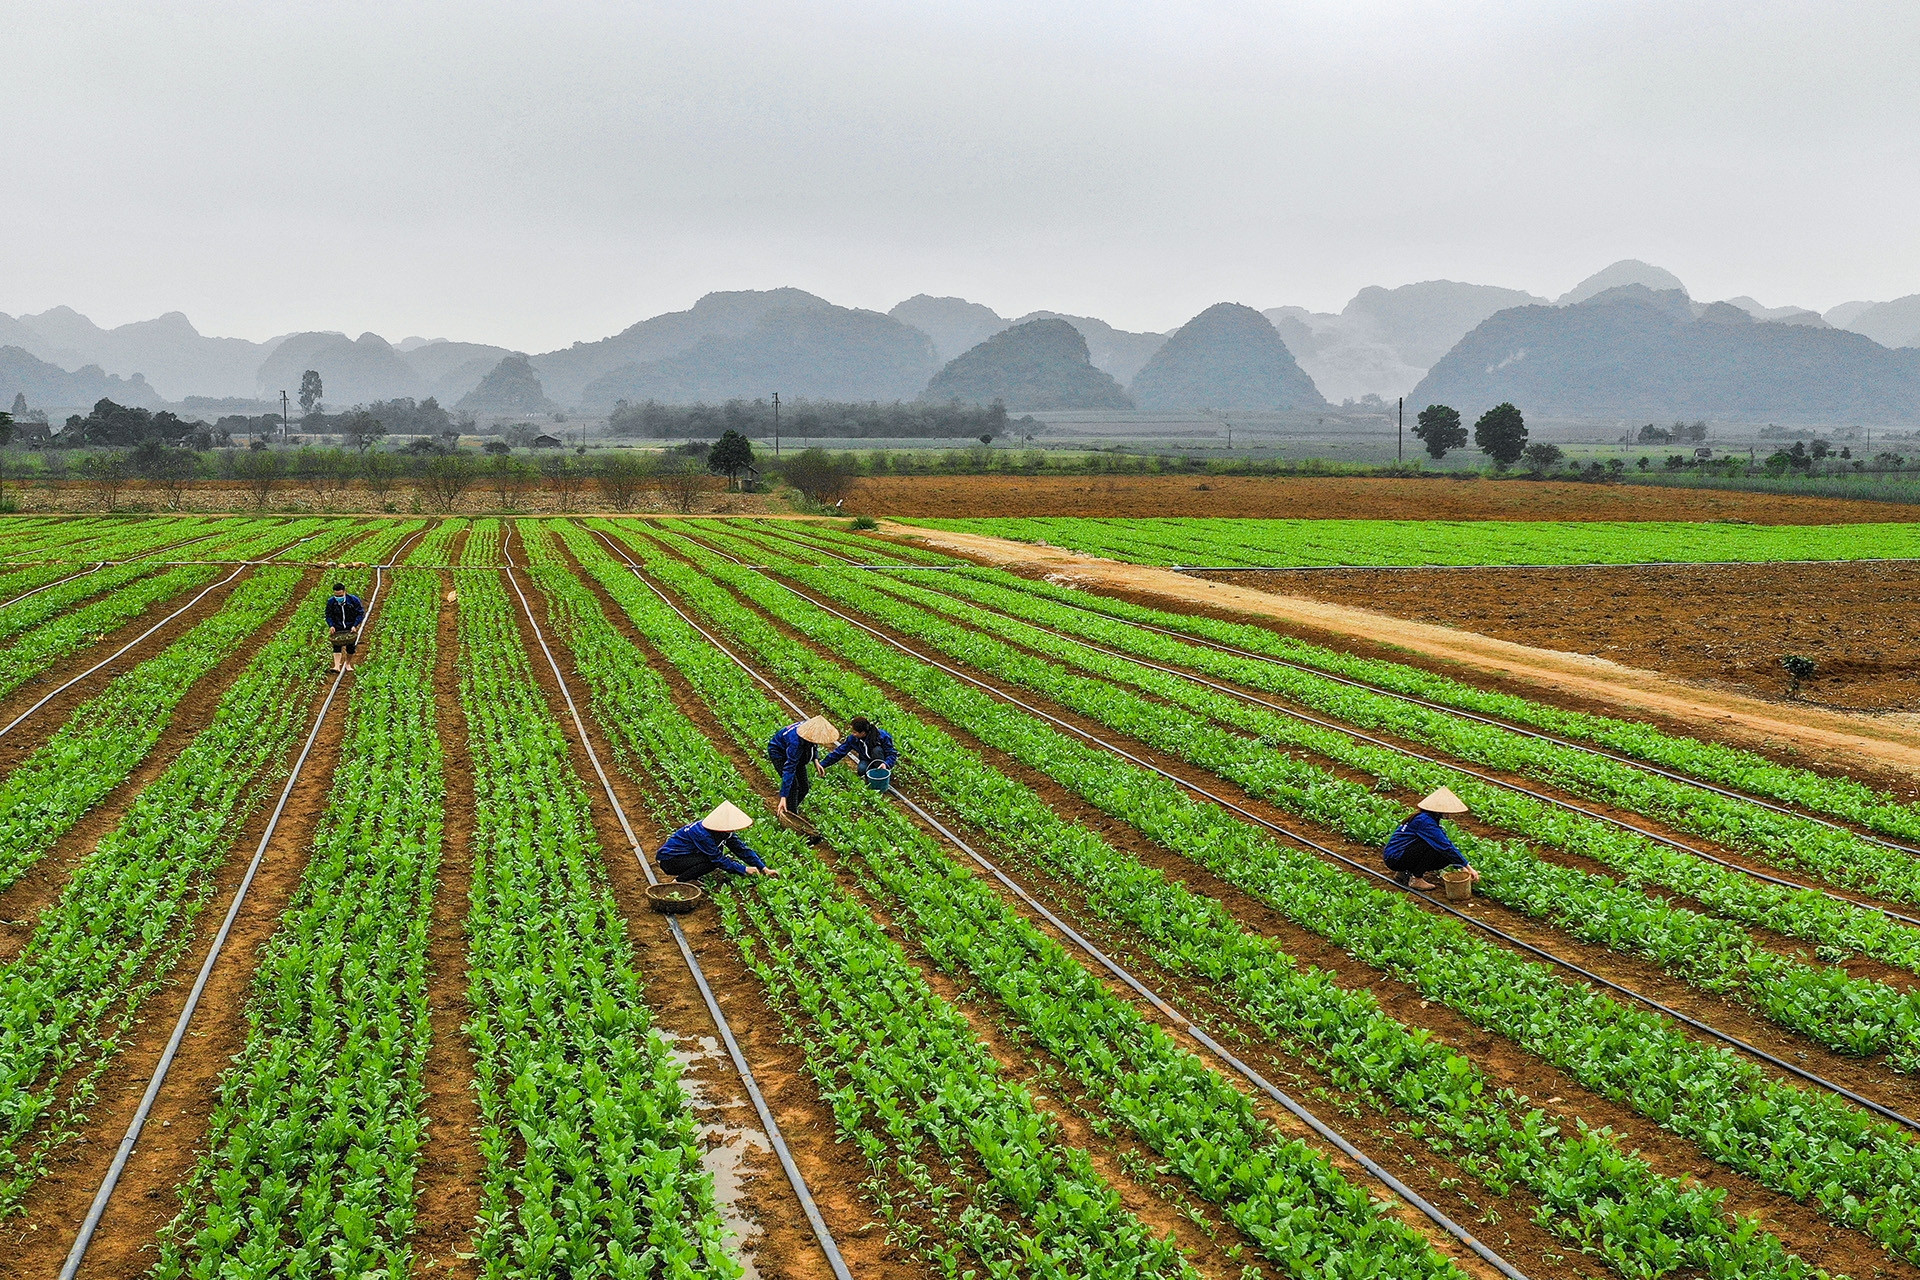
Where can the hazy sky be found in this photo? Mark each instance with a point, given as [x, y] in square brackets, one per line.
[532, 174]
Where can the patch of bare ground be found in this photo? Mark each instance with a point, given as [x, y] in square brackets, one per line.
[1338, 498]
[22, 902]
[1882, 750]
[1726, 624]
[783, 1246]
[1803, 1229]
[173, 1140]
[452, 1167]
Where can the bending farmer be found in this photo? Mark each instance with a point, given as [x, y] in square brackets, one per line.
[697, 848]
[792, 750]
[345, 613]
[1420, 844]
[869, 744]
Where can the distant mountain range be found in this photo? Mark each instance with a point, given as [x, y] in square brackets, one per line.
[749, 343]
[1029, 367]
[1631, 351]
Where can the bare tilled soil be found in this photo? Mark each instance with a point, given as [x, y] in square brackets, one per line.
[1345, 498]
[1730, 624]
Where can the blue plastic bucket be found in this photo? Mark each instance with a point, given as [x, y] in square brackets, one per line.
[880, 777]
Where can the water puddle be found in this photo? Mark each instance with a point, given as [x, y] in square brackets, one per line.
[729, 1152]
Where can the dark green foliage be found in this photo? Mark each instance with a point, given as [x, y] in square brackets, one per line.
[1440, 429]
[511, 387]
[731, 454]
[1039, 365]
[1501, 434]
[1227, 357]
[310, 391]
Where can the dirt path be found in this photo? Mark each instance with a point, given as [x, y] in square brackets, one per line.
[1836, 737]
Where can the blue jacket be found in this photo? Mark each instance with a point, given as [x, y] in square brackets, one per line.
[344, 612]
[711, 845]
[872, 750]
[1422, 829]
[791, 754]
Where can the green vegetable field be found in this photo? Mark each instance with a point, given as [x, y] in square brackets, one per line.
[1202, 543]
[309, 973]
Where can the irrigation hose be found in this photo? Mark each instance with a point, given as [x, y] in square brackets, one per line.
[787, 1164]
[1180, 1020]
[1703, 1028]
[1570, 806]
[137, 1125]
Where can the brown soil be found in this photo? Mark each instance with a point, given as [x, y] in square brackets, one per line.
[930, 497]
[1728, 624]
[1806, 1232]
[452, 1167]
[41, 725]
[23, 901]
[786, 1247]
[145, 1200]
[1869, 747]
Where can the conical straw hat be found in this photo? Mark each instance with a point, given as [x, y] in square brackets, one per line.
[819, 731]
[726, 818]
[1444, 801]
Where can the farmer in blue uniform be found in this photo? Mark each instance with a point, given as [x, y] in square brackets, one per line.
[1421, 845]
[698, 848]
[345, 613]
[792, 750]
[869, 744]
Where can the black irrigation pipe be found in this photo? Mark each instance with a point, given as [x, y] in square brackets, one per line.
[1491, 780]
[798, 1181]
[1180, 1020]
[1703, 1028]
[101, 564]
[1785, 810]
[77, 1254]
[117, 654]
[48, 586]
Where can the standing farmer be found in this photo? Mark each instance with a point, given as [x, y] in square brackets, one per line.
[697, 848]
[1420, 844]
[869, 744]
[345, 613]
[792, 750]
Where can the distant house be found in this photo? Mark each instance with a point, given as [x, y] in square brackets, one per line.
[548, 442]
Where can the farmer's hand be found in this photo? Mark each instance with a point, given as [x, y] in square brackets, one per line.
[781, 808]
[1473, 874]
[769, 871]
[820, 768]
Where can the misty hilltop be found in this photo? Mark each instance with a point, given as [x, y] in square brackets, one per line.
[819, 352]
[1631, 351]
[1033, 366]
[1227, 357]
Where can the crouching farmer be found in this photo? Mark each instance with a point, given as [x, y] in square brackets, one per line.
[1420, 845]
[696, 849]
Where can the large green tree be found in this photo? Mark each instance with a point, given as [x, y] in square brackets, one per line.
[1440, 428]
[731, 454]
[310, 391]
[1501, 434]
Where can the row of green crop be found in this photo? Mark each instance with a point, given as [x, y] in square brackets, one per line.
[1593, 1193]
[313, 1149]
[1852, 1015]
[128, 913]
[1811, 915]
[1801, 1141]
[110, 734]
[1712, 762]
[963, 1161]
[29, 654]
[1218, 541]
[93, 538]
[592, 1156]
[34, 610]
[1284, 1196]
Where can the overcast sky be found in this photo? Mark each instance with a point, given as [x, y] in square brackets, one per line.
[533, 174]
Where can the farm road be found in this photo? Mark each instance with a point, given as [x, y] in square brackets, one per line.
[1878, 744]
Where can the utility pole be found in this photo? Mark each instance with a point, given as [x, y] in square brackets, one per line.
[1400, 444]
[283, 415]
[776, 424]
